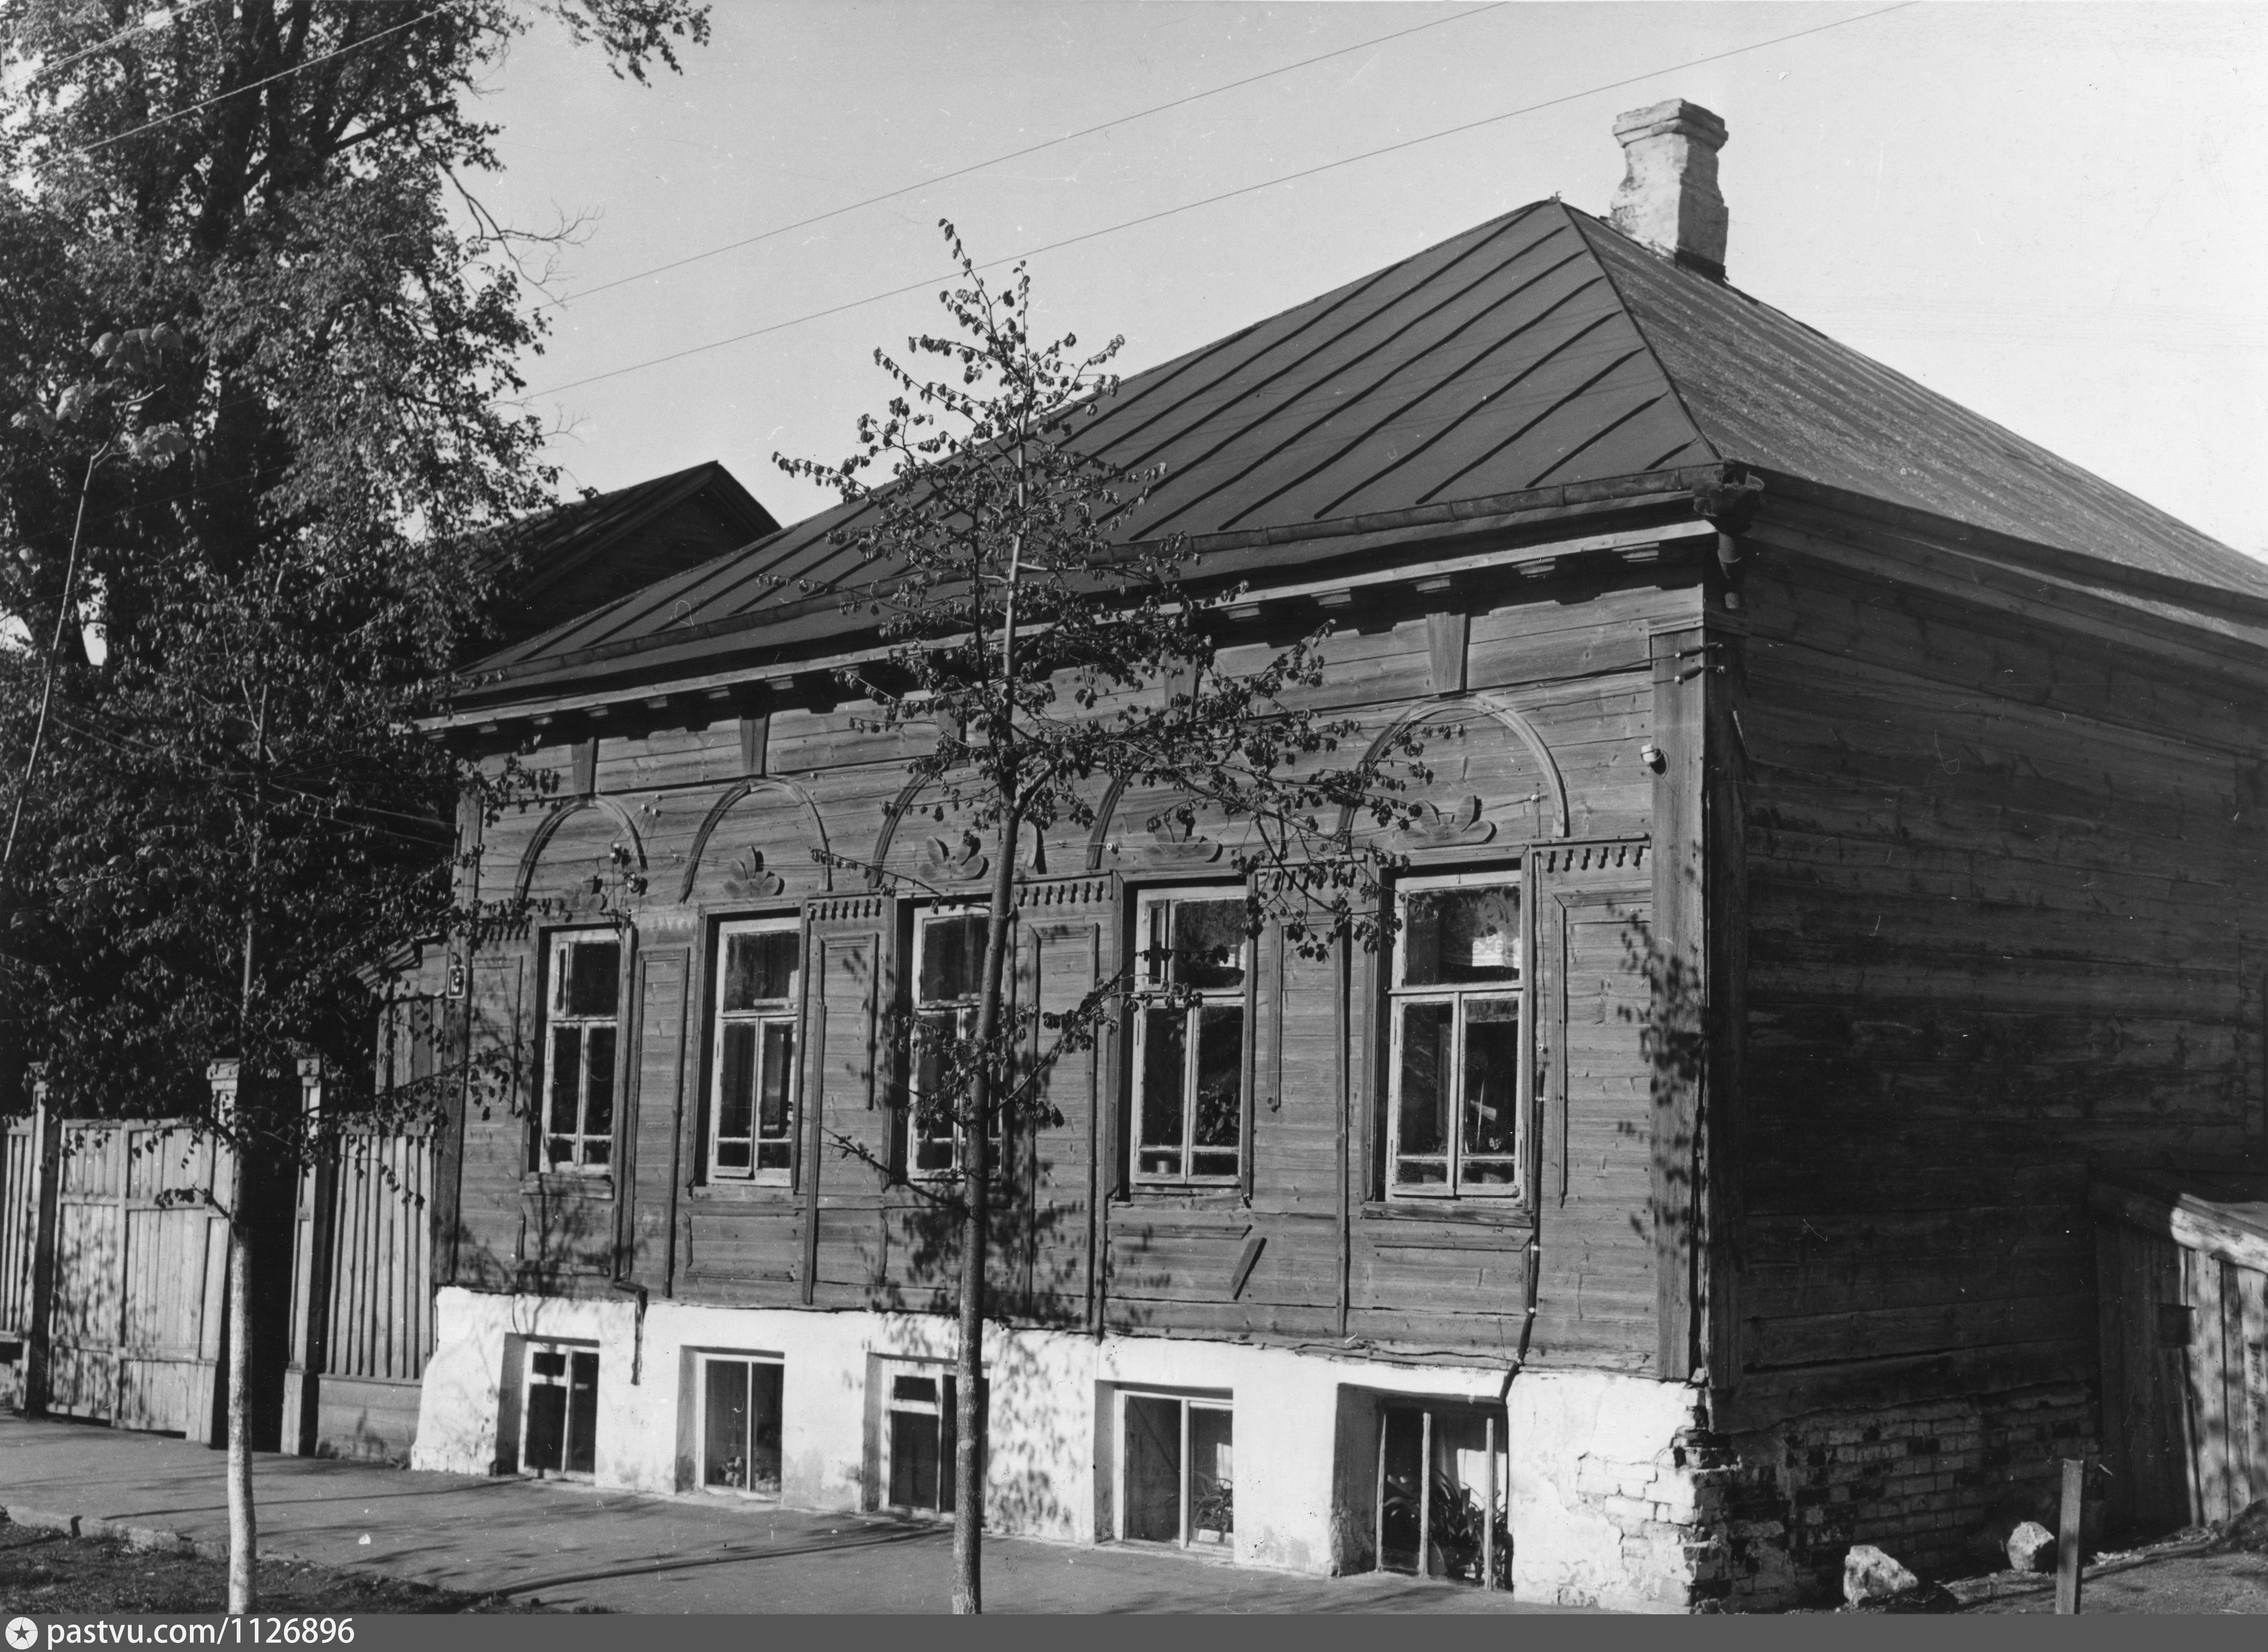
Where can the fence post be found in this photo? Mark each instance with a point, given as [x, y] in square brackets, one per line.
[223, 1075]
[2074, 1488]
[47, 1177]
[311, 1271]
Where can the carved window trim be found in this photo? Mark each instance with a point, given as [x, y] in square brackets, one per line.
[1152, 914]
[1466, 1003]
[779, 1019]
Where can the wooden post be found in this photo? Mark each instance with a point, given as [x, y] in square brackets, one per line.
[1425, 1492]
[46, 1174]
[2074, 1487]
[1488, 1507]
[226, 1077]
[311, 1272]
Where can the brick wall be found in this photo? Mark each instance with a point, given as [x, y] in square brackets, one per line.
[1937, 1485]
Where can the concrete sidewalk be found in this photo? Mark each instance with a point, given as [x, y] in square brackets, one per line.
[573, 1546]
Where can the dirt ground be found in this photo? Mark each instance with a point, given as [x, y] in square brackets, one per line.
[48, 1573]
[2205, 1570]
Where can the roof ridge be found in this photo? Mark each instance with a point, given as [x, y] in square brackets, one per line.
[1584, 222]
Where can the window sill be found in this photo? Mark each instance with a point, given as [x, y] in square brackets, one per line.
[741, 1192]
[1508, 1212]
[587, 1185]
[1215, 1554]
[1182, 1196]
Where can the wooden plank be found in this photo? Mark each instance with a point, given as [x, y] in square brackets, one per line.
[1676, 1016]
[2186, 1223]
[2236, 1442]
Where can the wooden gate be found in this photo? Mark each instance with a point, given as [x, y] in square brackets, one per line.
[362, 1302]
[140, 1272]
[2182, 1272]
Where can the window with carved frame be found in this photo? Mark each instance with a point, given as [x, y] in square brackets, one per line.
[1456, 1094]
[948, 963]
[1191, 959]
[581, 1021]
[753, 1077]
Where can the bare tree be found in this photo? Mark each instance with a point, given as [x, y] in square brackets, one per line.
[1056, 657]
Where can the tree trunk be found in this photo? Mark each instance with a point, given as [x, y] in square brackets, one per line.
[968, 1370]
[243, 1538]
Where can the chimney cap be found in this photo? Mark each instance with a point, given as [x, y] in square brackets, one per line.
[1672, 116]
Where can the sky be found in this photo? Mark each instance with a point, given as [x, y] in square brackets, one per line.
[2052, 214]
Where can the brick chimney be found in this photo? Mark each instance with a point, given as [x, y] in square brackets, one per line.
[1668, 199]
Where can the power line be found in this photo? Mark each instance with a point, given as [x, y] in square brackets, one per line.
[237, 91]
[1225, 194]
[1017, 154]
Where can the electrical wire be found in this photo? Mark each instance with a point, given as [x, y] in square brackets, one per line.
[1192, 206]
[1017, 154]
[237, 91]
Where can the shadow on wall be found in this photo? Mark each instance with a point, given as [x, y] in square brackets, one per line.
[1673, 1038]
[1032, 1406]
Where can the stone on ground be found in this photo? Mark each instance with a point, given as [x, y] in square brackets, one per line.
[1869, 1575]
[2032, 1548]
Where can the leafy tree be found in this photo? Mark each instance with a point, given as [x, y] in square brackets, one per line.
[1055, 658]
[257, 334]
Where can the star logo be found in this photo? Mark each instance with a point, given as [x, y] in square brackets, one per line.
[23, 1634]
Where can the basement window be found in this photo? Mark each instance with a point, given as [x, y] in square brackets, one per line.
[1177, 1471]
[1440, 1466]
[559, 1423]
[921, 1431]
[753, 1086]
[1456, 1096]
[583, 1004]
[741, 1424]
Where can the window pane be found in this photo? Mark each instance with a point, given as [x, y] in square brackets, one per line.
[1400, 1510]
[764, 1382]
[914, 1391]
[759, 968]
[736, 1090]
[1154, 1469]
[582, 1447]
[724, 1447]
[1492, 1078]
[1453, 936]
[1160, 1140]
[933, 1106]
[566, 1079]
[1213, 1475]
[1209, 942]
[953, 954]
[593, 969]
[1423, 1103]
[1220, 1076]
[547, 1427]
[598, 1089]
[1460, 1479]
[779, 1067]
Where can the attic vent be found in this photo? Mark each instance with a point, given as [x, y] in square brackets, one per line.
[1668, 199]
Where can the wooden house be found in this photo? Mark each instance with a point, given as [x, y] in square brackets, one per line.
[1843, 835]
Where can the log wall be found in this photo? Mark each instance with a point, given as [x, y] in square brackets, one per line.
[2002, 923]
[1533, 702]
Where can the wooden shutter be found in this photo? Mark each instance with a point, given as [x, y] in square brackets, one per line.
[645, 1178]
[498, 1093]
[846, 1144]
[1066, 942]
[1596, 1290]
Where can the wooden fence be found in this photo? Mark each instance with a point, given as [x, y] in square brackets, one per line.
[2181, 1273]
[113, 1260]
[19, 1160]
